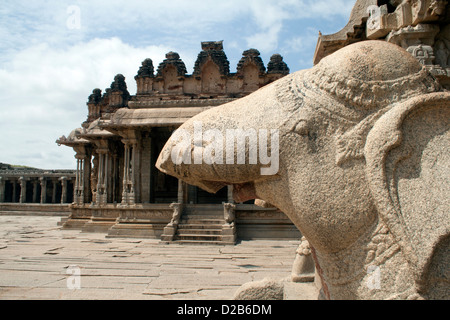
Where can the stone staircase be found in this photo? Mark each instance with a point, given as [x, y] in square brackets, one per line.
[204, 224]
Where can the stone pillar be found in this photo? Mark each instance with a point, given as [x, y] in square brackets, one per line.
[86, 179]
[79, 181]
[181, 191]
[2, 190]
[192, 192]
[43, 182]
[114, 177]
[106, 177]
[63, 189]
[54, 191]
[35, 189]
[128, 189]
[23, 190]
[126, 173]
[145, 168]
[14, 191]
[102, 181]
[94, 177]
[78, 189]
[136, 169]
[230, 194]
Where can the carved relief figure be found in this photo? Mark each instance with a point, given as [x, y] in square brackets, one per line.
[363, 169]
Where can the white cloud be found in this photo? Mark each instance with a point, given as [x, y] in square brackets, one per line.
[270, 17]
[265, 41]
[44, 92]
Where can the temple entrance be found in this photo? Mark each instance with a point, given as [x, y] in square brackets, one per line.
[196, 195]
[163, 188]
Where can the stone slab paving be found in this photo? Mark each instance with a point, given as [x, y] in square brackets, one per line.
[39, 260]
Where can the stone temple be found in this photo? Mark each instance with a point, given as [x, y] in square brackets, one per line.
[119, 191]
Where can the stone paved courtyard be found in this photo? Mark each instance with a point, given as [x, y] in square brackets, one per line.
[39, 260]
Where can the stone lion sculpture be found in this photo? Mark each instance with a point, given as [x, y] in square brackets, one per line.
[362, 141]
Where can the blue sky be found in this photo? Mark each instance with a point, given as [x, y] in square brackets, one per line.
[54, 53]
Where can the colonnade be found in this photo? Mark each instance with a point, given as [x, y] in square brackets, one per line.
[36, 189]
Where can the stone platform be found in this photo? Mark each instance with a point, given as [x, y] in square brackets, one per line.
[40, 260]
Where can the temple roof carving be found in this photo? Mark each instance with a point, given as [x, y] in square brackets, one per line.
[251, 56]
[212, 50]
[172, 59]
[211, 84]
[277, 65]
[146, 69]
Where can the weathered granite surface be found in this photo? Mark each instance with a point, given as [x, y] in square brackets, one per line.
[363, 168]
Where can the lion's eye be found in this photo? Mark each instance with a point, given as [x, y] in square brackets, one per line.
[302, 128]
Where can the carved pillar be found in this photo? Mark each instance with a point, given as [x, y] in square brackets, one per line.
[2, 190]
[145, 168]
[35, 193]
[102, 181]
[230, 194]
[129, 181]
[78, 190]
[54, 183]
[114, 177]
[126, 171]
[86, 179]
[181, 191]
[100, 186]
[128, 186]
[63, 189]
[14, 191]
[94, 177]
[136, 169]
[82, 185]
[23, 190]
[43, 182]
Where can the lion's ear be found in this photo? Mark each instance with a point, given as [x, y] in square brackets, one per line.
[408, 169]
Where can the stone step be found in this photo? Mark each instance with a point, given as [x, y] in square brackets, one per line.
[199, 237]
[200, 226]
[189, 232]
[196, 220]
[201, 243]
